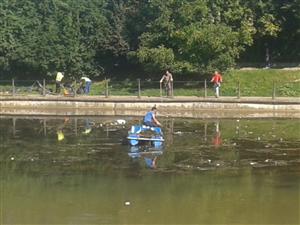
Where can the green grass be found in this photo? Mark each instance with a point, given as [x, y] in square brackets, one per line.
[256, 82]
[260, 82]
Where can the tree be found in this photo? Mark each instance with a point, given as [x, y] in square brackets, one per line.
[195, 36]
[40, 37]
[277, 24]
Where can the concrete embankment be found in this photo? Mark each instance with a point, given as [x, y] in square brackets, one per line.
[196, 107]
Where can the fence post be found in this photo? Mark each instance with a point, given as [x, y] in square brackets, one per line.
[45, 127]
[238, 89]
[205, 89]
[139, 88]
[172, 93]
[75, 89]
[160, 89]
[14, 120]
[274, 90]
[13, 87]
[106, 88]
[44, 87]
[76, 126]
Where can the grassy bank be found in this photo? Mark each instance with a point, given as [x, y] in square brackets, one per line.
[255, 82]
[260, 82]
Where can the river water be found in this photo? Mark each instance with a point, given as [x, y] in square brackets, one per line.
[78, 170]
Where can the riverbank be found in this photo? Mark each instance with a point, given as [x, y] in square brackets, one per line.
[196, 107]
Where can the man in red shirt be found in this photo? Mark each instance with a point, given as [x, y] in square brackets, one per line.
[217, 80]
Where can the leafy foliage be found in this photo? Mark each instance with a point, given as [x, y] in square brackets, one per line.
[38, 38]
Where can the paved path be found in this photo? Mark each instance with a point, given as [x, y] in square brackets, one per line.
[181, 99]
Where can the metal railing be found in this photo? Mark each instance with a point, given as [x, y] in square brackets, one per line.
[143, 88]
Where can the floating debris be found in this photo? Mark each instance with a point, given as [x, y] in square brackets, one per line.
[127, 203]
[121, 122]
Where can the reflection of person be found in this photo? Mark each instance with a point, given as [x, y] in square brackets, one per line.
[167, 78]
[58, 81]
[60, 134]
[88, 127]
[150, 158]
[150, 118]
[217, 140]
[217, 80]
[151, 162]
[87, 84]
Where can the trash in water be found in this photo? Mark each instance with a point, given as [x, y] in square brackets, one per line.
[121, 122]
[127, 203]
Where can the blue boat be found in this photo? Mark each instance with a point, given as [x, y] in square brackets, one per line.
[141, 135]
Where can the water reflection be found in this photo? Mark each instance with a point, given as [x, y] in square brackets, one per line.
[217, 139]
[148, 154]
[86, 177]
[60, 132]
[189, 144]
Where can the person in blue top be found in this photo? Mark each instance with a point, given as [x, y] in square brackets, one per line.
[150, 118]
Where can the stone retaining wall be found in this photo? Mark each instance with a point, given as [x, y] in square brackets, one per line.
[135, 107]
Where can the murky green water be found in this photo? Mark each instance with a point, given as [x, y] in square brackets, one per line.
[80, 171]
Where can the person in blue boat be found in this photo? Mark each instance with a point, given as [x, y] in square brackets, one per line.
[150, 118]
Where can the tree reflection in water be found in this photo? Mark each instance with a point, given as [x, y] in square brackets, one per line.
[87, 177]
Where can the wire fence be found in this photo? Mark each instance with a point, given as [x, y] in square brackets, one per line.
[143, 88]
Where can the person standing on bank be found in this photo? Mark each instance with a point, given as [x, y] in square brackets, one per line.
[167, 78]
[150, 118]
[217, 80]
[87, 84]
[58, 82]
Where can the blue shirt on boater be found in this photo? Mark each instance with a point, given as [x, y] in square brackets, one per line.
[148, 117]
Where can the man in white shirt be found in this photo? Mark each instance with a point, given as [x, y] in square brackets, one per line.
[87, 84]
